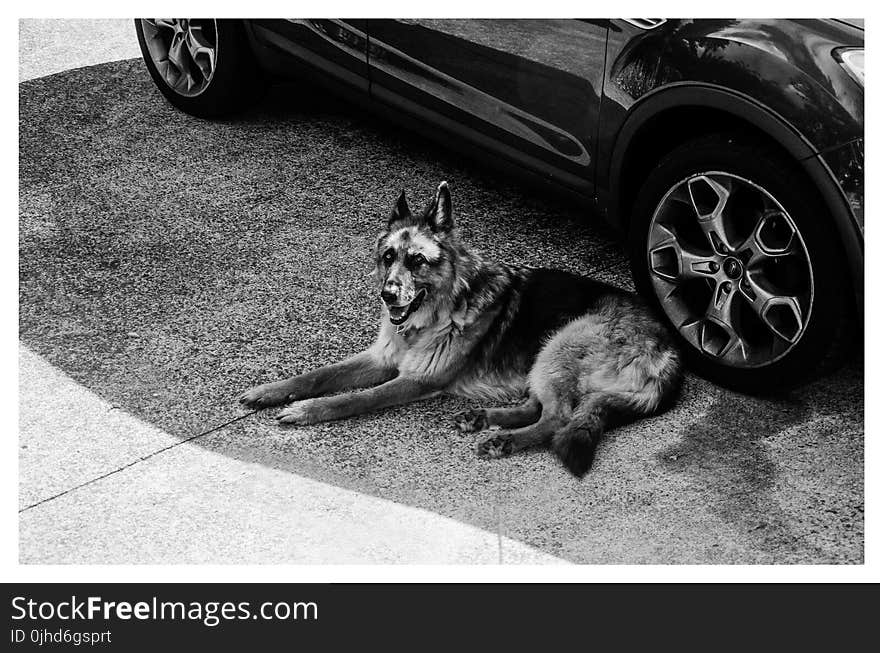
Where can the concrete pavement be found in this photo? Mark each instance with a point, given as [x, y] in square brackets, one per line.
[49, 46]
[168, 263]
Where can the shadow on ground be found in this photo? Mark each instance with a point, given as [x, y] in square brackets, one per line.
[167, 263]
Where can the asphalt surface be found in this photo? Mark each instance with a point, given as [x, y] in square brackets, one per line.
[168, 263]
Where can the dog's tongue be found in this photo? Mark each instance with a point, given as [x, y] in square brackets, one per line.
[397, 312]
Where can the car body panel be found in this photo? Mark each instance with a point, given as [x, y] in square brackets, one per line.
[335, 50]
[847, 166]
[774, 63]
[526, 89]
[842, 180]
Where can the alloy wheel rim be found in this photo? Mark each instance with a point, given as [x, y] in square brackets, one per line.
[184, 51]
[730, 269]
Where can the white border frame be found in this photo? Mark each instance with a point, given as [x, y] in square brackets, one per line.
[13, 572]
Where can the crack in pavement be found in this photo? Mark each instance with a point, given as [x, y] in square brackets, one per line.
[135, 462]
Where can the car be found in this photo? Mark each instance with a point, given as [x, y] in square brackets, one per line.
[728, 154]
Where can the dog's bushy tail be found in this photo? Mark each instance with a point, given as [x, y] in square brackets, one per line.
[575, 443]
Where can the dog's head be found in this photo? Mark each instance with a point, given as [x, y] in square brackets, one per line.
[414, 257]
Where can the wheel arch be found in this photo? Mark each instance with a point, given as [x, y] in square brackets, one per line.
[647, 135]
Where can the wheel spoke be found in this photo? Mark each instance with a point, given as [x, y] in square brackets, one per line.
[708, 199]
[201, 50]
[719, 336]
[691, 330]
[721, 305]
[673, 260]
[164, 23]
[168, 72]
[175, 52]
[782, 314]
[773, 236]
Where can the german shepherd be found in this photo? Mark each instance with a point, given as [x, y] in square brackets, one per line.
[585, 354]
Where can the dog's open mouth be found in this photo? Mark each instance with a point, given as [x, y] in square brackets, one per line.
[399, 314]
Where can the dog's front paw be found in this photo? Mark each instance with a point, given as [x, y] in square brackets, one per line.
[496, 446]
[299, 412]
[268, 394]
[470, 421]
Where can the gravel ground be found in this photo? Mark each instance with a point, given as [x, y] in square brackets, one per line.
[167, 263]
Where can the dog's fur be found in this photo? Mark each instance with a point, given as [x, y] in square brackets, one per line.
[585, 354]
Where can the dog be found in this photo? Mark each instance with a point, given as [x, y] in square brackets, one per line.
[582, 354]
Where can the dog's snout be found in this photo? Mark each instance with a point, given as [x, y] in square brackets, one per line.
[389, 296]
[391, 291]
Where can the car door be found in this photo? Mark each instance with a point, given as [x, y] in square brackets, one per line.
[334, 50]
[527, 90]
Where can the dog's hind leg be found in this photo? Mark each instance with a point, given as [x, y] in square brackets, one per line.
[477, 419]
[506, 442]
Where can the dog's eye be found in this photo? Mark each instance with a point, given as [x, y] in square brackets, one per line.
[417, 260]
[388, 256]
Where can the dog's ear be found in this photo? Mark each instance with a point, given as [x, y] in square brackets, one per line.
[400, 211]
[438, 215]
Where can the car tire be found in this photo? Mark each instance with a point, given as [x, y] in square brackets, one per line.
[204, 67]
[732, 247]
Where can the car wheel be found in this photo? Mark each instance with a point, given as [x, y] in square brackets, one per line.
[733, 248]
[203, 66]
